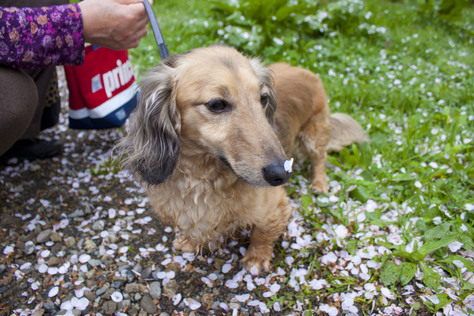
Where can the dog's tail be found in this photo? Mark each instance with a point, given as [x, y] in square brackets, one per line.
[345, 131]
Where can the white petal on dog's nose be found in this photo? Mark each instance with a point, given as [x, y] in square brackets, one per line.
[288, 165]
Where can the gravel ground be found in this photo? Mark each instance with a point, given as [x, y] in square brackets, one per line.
[78, 237]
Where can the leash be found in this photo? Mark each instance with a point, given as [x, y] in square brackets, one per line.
[156, 30]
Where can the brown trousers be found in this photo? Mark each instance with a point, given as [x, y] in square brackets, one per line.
[24, 108]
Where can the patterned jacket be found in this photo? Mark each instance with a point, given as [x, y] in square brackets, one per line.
[40, 37]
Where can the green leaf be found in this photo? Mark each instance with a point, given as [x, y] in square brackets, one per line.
[403, 177]
[352, 246]
[306, 201]
[430, 277]
[407, 272]
[434, 245]
[437, 232]
[390, 273]
[467, 263]
[443, 300]
[375, 215]
[363, 191]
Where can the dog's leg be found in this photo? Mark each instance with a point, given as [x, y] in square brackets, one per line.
[183, 244]
[264, 235]
[314, 137]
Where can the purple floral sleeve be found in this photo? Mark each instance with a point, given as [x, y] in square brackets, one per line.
[40, 37]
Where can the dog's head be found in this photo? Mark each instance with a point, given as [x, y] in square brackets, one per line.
[210, 101]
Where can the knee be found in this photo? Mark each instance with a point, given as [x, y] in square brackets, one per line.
[18, 101]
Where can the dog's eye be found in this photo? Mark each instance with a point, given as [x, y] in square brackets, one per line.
[264, 99]
[218, 106]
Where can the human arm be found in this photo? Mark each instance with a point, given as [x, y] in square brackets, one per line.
[41, 37]
[55, 35]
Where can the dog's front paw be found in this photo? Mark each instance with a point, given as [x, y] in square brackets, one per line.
[256, 265]
[183, 244]
[319, 187]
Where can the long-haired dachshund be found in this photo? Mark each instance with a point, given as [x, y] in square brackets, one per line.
[212, 146]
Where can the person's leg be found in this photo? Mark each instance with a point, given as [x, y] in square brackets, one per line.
[18, 101]
[41, 112]
[20, 117]
[43, 79]
[27, 109]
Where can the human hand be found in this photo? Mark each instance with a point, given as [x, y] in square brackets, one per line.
[115, 24]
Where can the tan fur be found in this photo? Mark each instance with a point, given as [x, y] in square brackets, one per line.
[303, 114]
[217, 163]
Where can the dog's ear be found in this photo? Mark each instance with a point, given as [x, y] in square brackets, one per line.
[265, 78]
[152, 145]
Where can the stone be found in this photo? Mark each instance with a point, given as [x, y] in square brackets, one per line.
[125, 303]
[44, 236]
[109, 307]
[130, 276]
[29, 249]
[117, 284]
[49, 306]
[98, 225]
[90, 295]
[56, 237]
[38, 312]
[132, 288]
[90, 245]
[77, 213]
[90, 275]
[95, 262]
[146, 273]
[138, 268]
[171, 288]
[148, 305]
[108, 293]
[70, 242]
[101, 291]
[54, 261]
[155, 290]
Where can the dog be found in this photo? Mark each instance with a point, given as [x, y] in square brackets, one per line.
[211, 139]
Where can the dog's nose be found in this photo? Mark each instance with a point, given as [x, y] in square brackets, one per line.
[276, 174]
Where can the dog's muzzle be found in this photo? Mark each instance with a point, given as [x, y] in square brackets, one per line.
[277, 173]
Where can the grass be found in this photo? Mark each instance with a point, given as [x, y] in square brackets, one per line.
[404, 70]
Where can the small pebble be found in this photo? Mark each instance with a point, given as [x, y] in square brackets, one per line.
[95, 262]
[90, 295]
[38, 312]
[146, 273]
[70, 242]
[132, 288]
[109, 307]
[56, 237]
[148, 305]
[155, 290]
[101, 291]
[54, 261]
[171, 288]
[44, 236]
